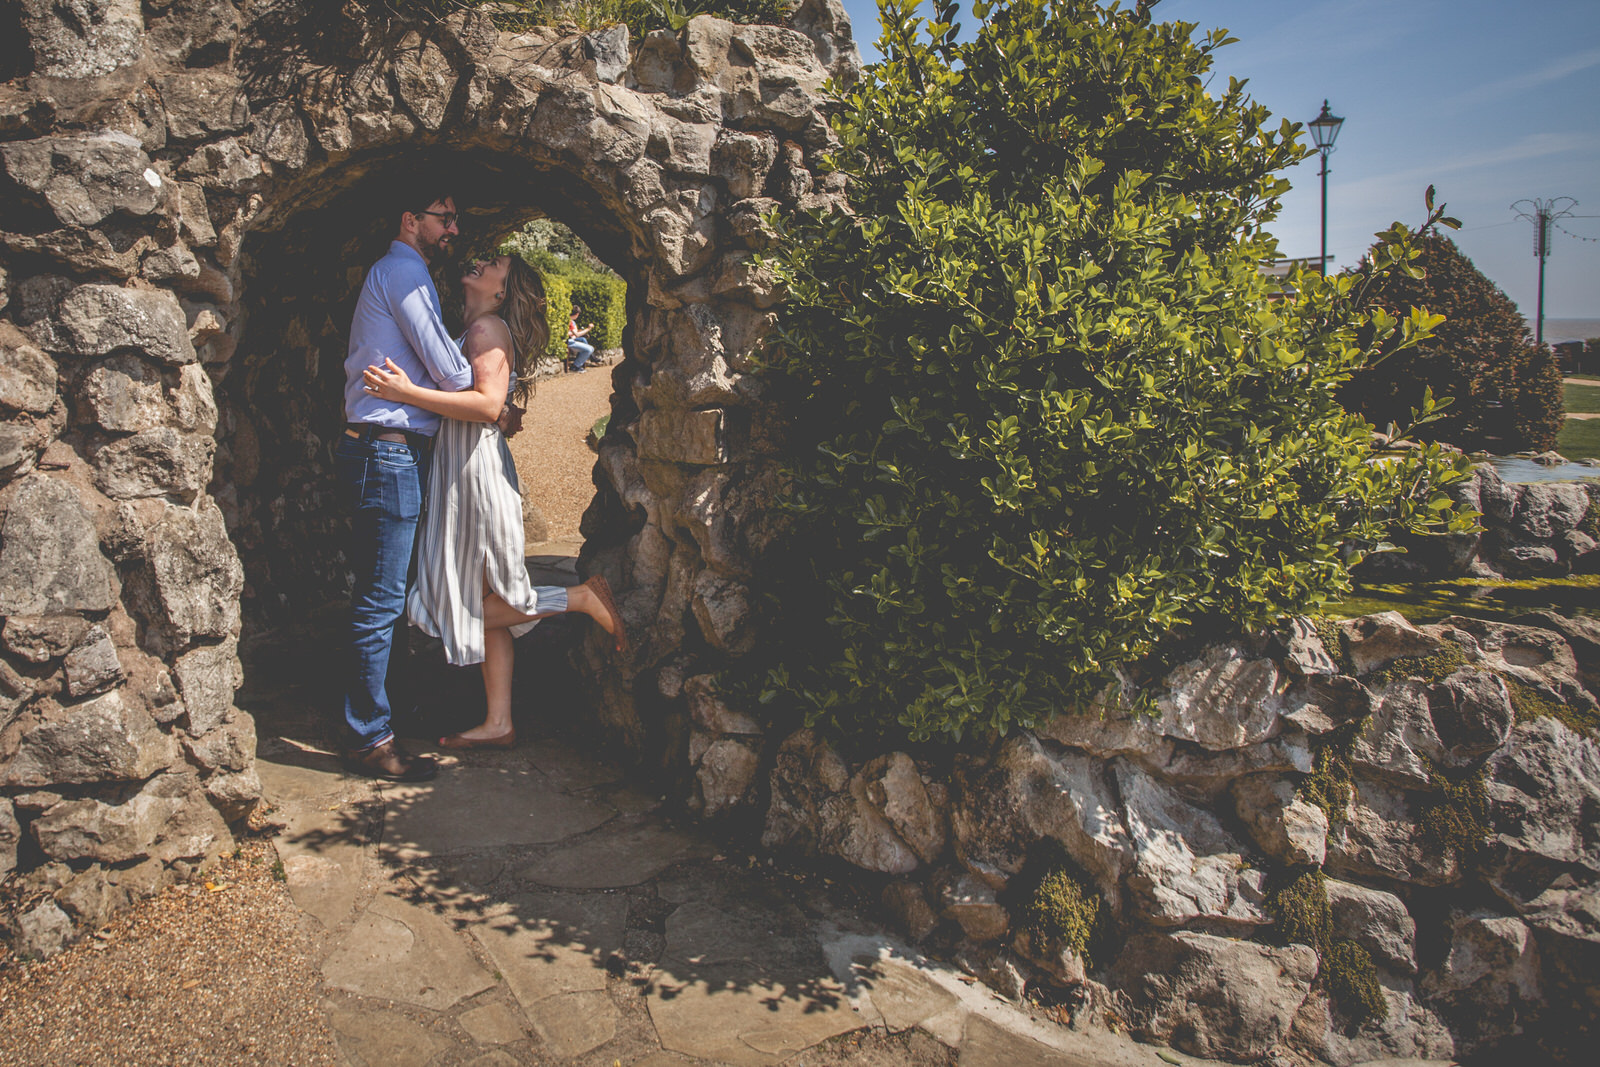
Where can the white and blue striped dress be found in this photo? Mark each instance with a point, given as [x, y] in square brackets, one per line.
[472, 529]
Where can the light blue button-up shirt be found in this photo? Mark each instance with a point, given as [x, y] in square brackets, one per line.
[398, 317]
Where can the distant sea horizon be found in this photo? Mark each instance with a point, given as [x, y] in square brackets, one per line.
[1560, 331]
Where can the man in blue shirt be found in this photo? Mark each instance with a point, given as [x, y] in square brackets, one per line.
[382, 460]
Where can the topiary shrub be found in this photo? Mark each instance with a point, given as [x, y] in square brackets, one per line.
[1506, 393]
[604, 298]
[1057, 414]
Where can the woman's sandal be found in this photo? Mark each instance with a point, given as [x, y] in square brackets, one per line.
[602, 589]
[457, 741]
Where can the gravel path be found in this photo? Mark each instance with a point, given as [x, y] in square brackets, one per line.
[556, 467]
[214, 972]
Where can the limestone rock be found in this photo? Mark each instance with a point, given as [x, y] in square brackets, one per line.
[50, 561]
[1380, 839]
[916, 809]
[96, 320]
[424, 78]
[1375, 920]
[708, 711]
[1304, 650]
[1286, 827]
[742, 160]
[27, 375]
[84, 40]
[722, 608]
[725, 772]
[41, 638]
[189, 586]
[105, 739]
[92, 896]
[234, 793]
[1027, 793]
[971, 903]
[1410, 1032]
[84, 179]
[125, 394]
[1546, 510]
[93, 666]
[1375, 641]
[1400, 741]
[1185, 865]
[192, 33]
[906, 902]
[207, 678]
[608, 48]
[203, 103]
[1544, 796]
[160, 462]
[229, 746]
[44, 930]
[280, 136]
[1213, 996]
[10, 835]
[1489, 982]
[1224, 700]
[92, 830]
[1471, 711]
[817, 807]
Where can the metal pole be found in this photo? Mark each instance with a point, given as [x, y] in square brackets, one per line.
[1322, 264]
[1544, 250]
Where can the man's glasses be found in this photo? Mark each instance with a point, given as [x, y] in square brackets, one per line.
[446, 217]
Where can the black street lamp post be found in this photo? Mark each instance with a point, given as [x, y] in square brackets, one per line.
[1324, 131]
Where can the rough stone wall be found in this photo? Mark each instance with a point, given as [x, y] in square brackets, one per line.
[1529, 530]
[186, 193]
[1462, 854]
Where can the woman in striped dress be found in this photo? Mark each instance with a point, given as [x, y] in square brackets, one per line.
[472, 589]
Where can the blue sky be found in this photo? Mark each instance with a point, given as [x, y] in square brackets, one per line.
[1492, 101]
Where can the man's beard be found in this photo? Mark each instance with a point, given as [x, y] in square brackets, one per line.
[435, 251]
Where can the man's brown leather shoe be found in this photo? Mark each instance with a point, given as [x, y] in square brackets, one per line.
[386, 761]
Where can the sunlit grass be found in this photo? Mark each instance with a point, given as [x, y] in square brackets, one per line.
[1582, 397]
[1579, 439]
[1503, 600]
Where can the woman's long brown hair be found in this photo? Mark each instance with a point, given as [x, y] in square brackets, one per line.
[523, 309]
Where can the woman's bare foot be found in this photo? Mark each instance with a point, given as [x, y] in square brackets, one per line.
[603, 610]
[481, 736]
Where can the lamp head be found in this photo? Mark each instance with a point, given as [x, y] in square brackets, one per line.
[1325, 128]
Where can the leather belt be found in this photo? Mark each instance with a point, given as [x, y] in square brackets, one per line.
[371, 431]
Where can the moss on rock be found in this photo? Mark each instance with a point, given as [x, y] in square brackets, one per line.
[1456, 819]
[1297, 900]
[1434, 667]
[1328, 784]
[1351, 980]
[1066, 910]
[1530, 704]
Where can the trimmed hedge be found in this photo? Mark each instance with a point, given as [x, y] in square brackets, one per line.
[605, 303]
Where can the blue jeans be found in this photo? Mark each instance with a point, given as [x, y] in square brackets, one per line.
[384, 484]
[580, 352]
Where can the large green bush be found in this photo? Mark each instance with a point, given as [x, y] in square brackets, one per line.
[1506, 392]
[1057, 414]
[604, 299]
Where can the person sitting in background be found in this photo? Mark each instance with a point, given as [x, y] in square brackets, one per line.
[578, 349]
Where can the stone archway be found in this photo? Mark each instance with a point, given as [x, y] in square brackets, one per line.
[180, 228]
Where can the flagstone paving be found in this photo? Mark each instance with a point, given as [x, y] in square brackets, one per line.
[530, 907]
[536, 906]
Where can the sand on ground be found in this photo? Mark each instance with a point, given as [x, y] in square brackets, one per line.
[554, 464]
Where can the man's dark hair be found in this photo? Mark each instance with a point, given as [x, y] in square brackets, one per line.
[417, 190]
